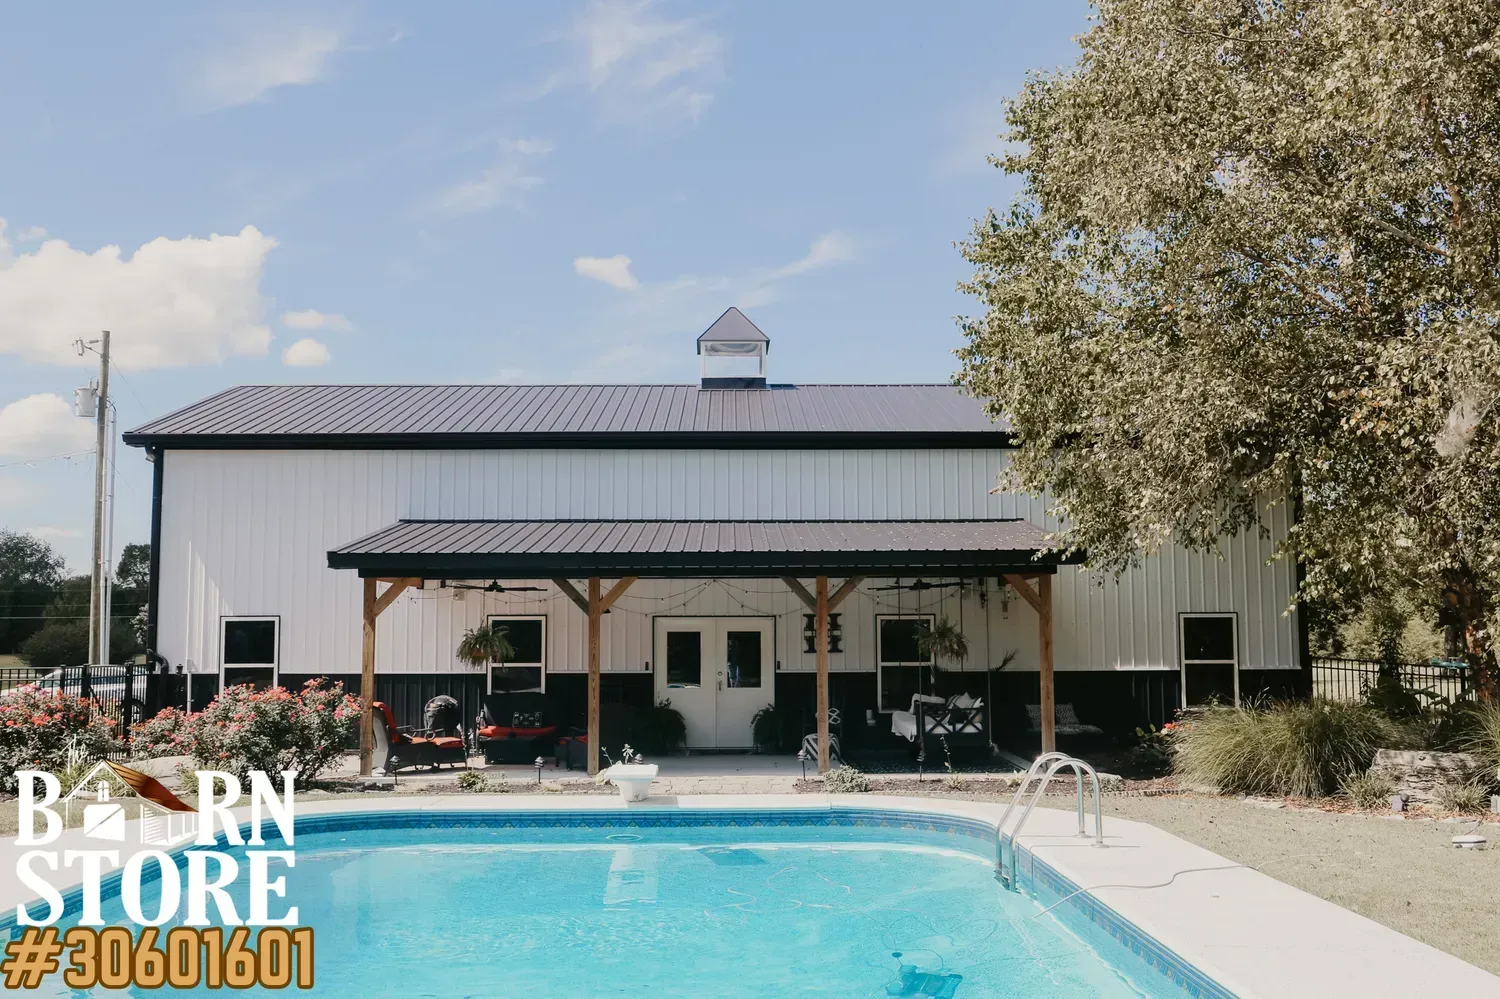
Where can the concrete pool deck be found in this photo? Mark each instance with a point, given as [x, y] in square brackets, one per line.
[1254, 936]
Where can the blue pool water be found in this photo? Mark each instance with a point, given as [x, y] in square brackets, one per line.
[580, 910]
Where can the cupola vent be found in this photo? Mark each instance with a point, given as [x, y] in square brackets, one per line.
[732, 353]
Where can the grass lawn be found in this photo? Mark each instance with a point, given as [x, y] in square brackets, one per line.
[1403, 873]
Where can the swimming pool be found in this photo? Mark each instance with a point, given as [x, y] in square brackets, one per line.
[842, 902]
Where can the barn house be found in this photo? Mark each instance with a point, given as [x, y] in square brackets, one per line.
[725, 545]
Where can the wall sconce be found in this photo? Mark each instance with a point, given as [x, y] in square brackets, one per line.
[810, 633]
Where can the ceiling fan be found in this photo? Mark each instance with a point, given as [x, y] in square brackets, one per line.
[493, 586]
[920, 584]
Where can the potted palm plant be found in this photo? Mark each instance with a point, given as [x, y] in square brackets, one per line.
[481, 646]
[943, 640]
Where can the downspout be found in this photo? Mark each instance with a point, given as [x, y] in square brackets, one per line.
[157, 457]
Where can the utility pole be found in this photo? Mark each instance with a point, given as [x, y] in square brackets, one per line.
[99, 598]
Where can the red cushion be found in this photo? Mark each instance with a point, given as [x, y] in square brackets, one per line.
[448, 742]
[504, 732]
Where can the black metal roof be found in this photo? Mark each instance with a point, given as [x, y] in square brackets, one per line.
[527, 549]
[460, 416]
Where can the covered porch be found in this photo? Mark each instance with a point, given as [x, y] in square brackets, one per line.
[808, 569]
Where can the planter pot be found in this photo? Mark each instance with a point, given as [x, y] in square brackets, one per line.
[633, 779]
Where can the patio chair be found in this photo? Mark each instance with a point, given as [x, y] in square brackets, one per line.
[396, 748]
[517, 728]
[835, 750]
[617, 725]
[1067, 722]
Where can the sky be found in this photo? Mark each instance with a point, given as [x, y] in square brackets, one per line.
[478, 192]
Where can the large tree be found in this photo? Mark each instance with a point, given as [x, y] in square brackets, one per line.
[30, 570]
[1255, 258]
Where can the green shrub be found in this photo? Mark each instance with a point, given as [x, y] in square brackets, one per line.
[771, 726]
[1482, 736]
[275, 730]
[1472, 796]
[661, 729]
[46, 730]
[66, 643]
[169, 733]
[1303, 748]
[473, 782]
[845, 780]
[1366, 791]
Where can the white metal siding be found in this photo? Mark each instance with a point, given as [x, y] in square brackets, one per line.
[247, 532]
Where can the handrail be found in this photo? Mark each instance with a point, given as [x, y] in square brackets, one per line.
[1057, 762]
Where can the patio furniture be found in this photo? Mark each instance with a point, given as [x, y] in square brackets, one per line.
[835, 728]
[396, 747]
[442, 716]
[959, 719]
[517, 728]
[1067, 721]
[617, 723]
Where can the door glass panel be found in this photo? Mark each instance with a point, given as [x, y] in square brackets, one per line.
[684, 659]
[744, 659]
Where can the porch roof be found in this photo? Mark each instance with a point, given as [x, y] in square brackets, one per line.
[527, 549]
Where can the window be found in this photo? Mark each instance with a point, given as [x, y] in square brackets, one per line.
[902, 662]
[250, 651]
[1210, 659]
[684, 659]
[526, 669]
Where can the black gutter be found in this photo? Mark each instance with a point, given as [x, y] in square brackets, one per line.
[758, 440]
[153, 585]
[545, 565]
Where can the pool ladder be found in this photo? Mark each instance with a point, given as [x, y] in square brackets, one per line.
[1053, 762]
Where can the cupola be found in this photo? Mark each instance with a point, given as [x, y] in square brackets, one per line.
[732, 353]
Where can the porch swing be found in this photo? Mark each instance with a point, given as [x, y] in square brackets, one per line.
[959, 719]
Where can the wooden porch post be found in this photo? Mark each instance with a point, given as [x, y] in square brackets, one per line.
[595, 611]
[1040, 600]
[821, 624]
[373, 607]
[596, 607]
[1049, 690]
[367, 683]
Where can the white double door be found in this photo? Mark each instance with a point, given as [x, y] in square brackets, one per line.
[718, 672]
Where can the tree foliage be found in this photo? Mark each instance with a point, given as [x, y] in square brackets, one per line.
[1255, 258]
[30, 569]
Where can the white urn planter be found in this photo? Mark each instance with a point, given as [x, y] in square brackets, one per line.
[633, 779]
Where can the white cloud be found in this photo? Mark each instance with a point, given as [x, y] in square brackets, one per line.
[47, 533]
[268, 58]
[613, 271]
[173, 302]
[31, 234]
[642, 323]
[306, 353]
[41, 425]
[505, 183]
[643, 67]
[312, 319]
[831, 248]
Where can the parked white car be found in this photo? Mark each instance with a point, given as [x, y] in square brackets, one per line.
[107, 688]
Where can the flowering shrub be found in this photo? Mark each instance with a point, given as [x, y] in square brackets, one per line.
[41, 730]
[275, 730]
[170, 733]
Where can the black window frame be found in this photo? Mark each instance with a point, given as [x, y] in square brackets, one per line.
[1183, 662]
[541, 667]
[882, 664]
[225, 666]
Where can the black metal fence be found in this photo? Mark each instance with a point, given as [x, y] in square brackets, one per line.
[1352, 679]
[126, 695]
